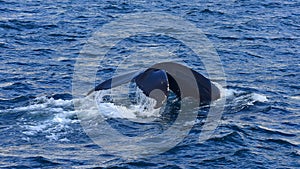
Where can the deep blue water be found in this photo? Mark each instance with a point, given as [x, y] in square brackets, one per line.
[258, 43]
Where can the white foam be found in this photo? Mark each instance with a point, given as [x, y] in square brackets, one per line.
[232, 92]
[30, 107]
[114, 111]
[64, 140]
[61, 113]
[295, 97]
[225, 92]
[56, 115]
[52, 136]
[143, 109]
[64, 117]
[37, 128]
[32, 130]
[259, 97]
[6, 83]
[42, 103]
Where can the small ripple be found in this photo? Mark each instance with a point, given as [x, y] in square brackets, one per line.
[281, 142]
[272, 5]
[213, 160]
[142, 164]
[17, 24]
[266, 130]
[5, 84]
[15, 101]
[43, 50]
[232, 137]
[17, 166]
[18, 63]
[8, 26]
[244, 152]
[282, 109]
[62, 96]
[18, 86]
[254, 54]
[209, 11]
[237, 128]
[41, 161]
[295, 153]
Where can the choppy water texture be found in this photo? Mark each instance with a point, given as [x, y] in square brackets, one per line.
[257, 41]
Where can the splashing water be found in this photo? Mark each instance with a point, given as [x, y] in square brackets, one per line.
[139, 105]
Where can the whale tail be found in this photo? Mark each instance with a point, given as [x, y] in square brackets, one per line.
[157, 81]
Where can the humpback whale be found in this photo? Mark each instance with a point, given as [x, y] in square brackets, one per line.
[157, 81]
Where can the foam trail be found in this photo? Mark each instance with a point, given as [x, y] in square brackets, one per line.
[54, 118]
[47, 116]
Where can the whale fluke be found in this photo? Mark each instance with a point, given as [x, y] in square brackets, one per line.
[157, 81]
[114, 82]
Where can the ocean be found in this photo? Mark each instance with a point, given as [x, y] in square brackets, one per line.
[52, 52]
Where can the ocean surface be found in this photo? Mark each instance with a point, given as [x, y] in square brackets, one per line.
[258, 43]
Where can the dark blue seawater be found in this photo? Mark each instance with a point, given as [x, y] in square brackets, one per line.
[259, 46]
